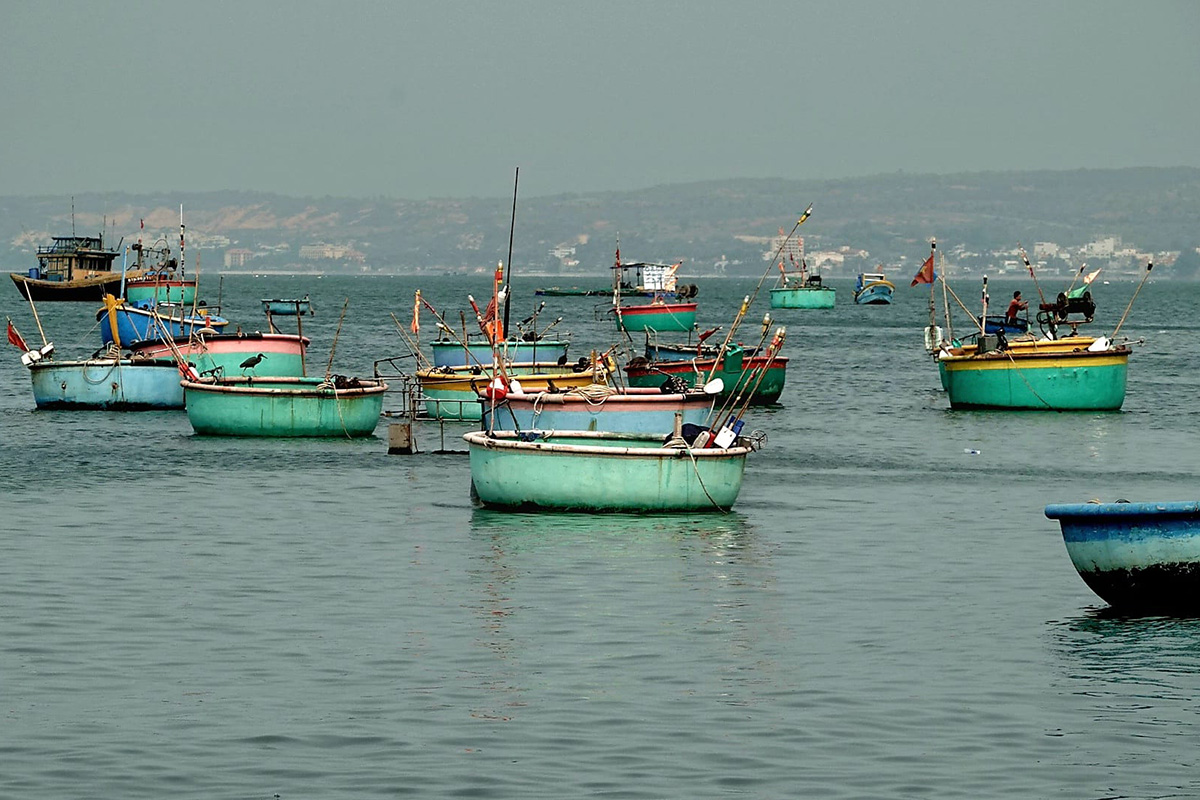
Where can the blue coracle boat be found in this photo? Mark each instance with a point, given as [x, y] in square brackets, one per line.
[1136, 556]
[149, 322]
[108, 384]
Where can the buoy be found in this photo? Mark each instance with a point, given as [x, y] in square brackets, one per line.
[496, 390]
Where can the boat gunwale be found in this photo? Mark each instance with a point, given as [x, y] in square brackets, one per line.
[232, 386]
[1076, 512]
[496, 441]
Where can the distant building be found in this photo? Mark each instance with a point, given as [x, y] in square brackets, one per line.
[330, 252]
[1044, 250]
[793, 248]
[238, 256]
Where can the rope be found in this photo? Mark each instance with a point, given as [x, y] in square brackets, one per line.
[1028, 385]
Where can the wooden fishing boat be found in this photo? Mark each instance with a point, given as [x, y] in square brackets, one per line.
[448, 353]
[1136, 556]
[763, 374]
[873, 289]
[106, 384]
[284, 407]
[71, 268]
[598, 471]
[800, 287]
[146, 321]
[664, 312]
[162, 282]
[1074, 374]
[452, 393]
[282, 354]
[596, 408]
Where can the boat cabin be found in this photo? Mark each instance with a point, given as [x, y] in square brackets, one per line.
[71, 257]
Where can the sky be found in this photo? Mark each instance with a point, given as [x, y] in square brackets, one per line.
[444, 98]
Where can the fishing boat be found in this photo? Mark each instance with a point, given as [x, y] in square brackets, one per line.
[740, 369]
[284, 406]
[162, 282]
[103, 382]
[1076, 374]
[873, 289]
[801, 288]
[71, 268]
[232, 354]
[107, 384]
[148, 320]
[452, 393]
[597, 408]
[660, 314]
[448, 353]
[294, 307]
[603, 471]
[1142, 557]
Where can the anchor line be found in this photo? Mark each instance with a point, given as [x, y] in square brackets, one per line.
[1028, 385]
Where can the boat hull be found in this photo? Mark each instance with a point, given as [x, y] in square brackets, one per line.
[1136, 556]
[455, 395]
[284, 353]
[875, 294]
[663, 317]
[1074, 381]
[139, 325]
[735, 374]
[106, 384]
[148, 290]
[283, 407]
[581, 471]
[452, 354]
[87, 289]
[803, 297]
[631, 411]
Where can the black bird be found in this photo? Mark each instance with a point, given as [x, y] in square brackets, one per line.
[562, 360]
[252, 362]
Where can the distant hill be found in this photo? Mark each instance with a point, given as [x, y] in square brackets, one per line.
[889, 216]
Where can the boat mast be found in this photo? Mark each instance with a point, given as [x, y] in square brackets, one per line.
[508, 266]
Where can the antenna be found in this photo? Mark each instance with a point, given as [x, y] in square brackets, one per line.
[508, 265]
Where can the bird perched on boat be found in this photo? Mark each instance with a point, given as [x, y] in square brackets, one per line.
[562, 360]
[251, 362]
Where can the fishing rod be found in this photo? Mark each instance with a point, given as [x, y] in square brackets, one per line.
[1149, 266]
[1082, 267]
[750, 298]
[422, 362]
[729, 432]
[983, 319]
[1028, 266]
[449, 330]
[734, 398]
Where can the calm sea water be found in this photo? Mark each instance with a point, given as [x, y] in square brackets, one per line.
[884, 614]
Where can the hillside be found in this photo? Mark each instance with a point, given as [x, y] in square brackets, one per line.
[891, 217]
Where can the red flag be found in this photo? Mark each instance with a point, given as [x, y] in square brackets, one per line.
[15, 339]
[489, 313]
[925, 274]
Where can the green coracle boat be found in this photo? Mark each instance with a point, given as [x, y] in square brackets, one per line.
[1073, 374]
[590, 471]
[283, 406]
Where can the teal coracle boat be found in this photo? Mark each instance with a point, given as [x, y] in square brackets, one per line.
[107, 384]
[597, 471]
[597, 408]
[1074, 374]
[284, 407]
[803, 297]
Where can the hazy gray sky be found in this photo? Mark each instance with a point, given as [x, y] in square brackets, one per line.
[445, 98]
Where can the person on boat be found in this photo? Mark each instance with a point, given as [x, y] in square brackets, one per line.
[1015, 307]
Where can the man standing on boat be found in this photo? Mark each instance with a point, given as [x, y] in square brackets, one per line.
[1015, 307]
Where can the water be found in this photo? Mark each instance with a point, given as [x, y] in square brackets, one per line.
[884, 614]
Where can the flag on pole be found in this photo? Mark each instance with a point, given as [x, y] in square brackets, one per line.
[15, 339]
[416, 323]
[926, 273]
[1091, 276]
